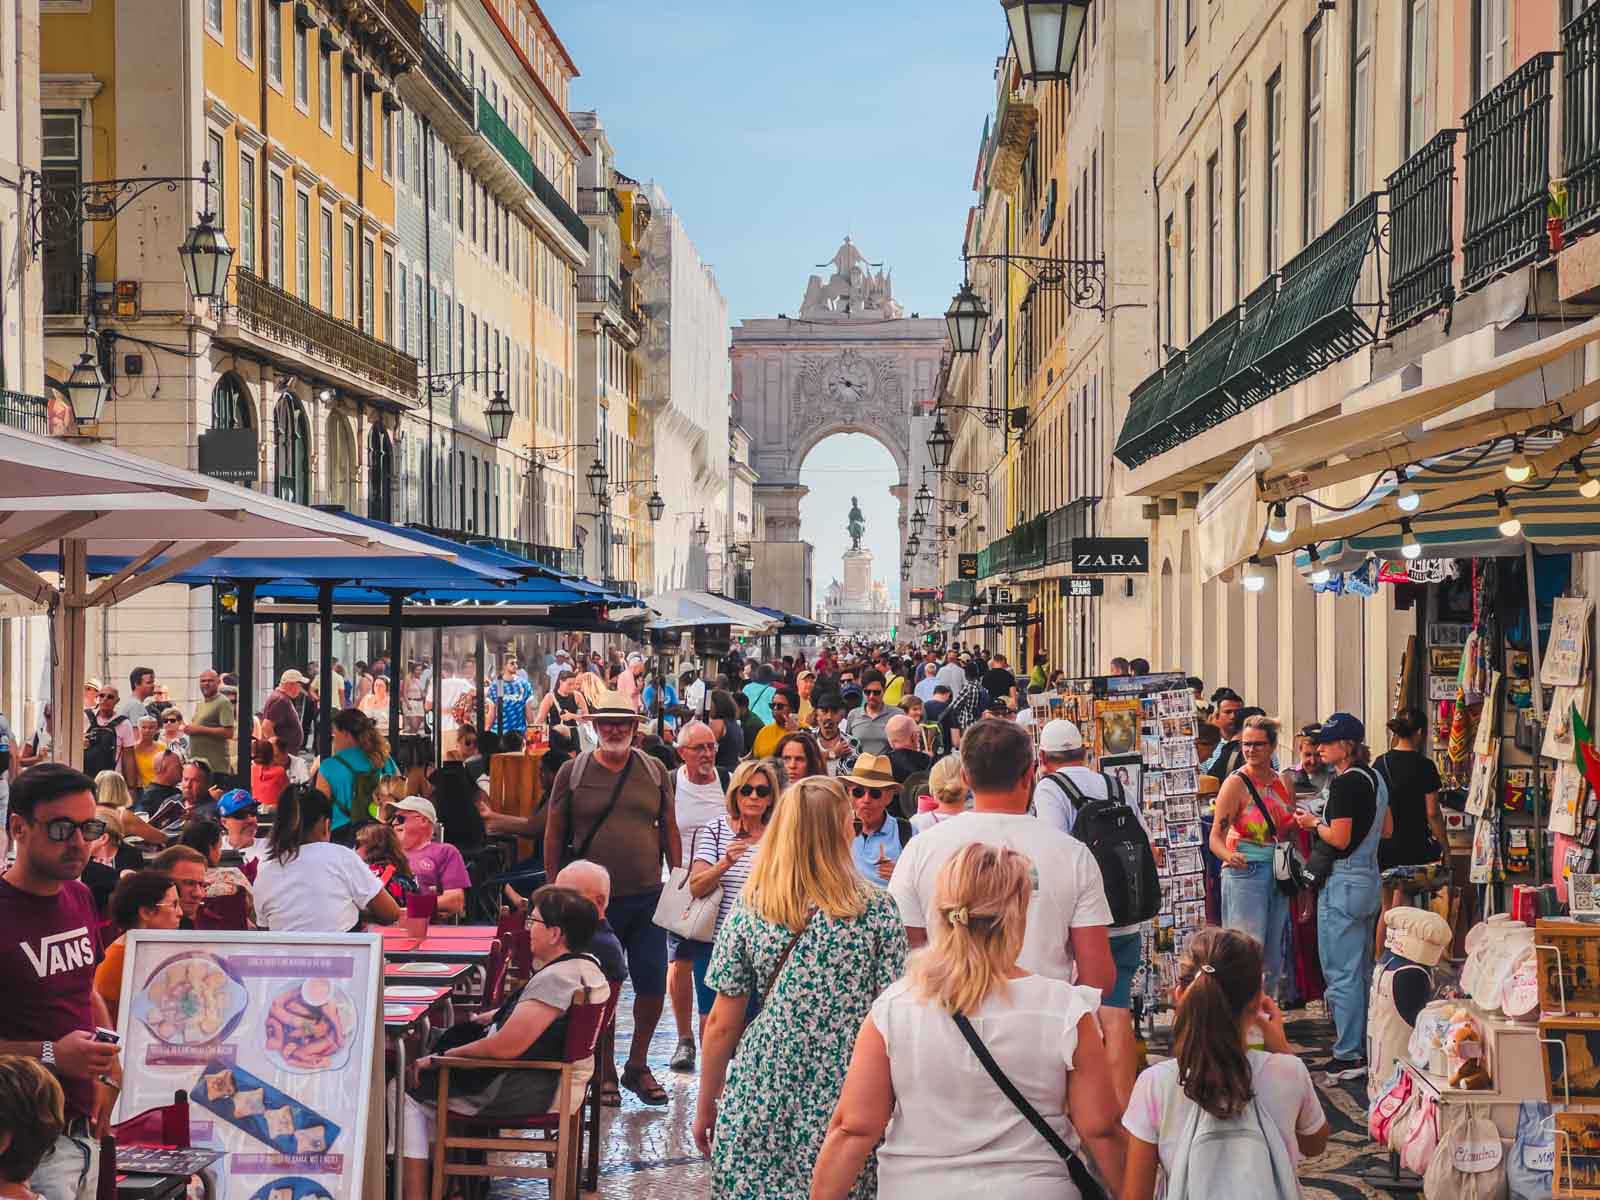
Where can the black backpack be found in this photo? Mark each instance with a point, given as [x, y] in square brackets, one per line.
[100, 744]
[1111, 831]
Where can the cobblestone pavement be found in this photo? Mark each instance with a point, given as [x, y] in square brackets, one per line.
[649, 1153]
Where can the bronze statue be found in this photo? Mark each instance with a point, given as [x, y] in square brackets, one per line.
[858, 524]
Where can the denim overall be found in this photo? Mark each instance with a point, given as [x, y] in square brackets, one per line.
[1347, 913]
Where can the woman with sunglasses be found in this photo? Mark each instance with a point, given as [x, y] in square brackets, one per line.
[1254, 812]
[173, 736]
[724, 853]
[142, 900]
[800, 757]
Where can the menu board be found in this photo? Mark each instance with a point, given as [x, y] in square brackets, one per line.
[275, 1037]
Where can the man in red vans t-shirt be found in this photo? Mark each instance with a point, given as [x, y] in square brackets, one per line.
[48, 957]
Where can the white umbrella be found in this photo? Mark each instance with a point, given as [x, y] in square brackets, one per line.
[31, 465]
[689, 606]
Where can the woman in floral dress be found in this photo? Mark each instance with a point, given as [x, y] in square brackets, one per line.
[816, 944]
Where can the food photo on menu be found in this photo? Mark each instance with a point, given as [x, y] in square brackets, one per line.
[262, 1031]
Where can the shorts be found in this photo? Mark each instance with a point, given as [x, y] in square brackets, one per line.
[684, 950]
[644, 943]
[1127, 952]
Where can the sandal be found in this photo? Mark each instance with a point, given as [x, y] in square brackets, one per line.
[642, 1084]
[610, 1097]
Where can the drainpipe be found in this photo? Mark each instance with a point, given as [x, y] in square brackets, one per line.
[427, 307]
[264, 169]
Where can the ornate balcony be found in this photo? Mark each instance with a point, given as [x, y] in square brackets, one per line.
[599, 202]
[31, 414]
[1014, 124]
[272, 314]
[498, 134]
[1508, 175]
[1421, 240]
[1580, 141]
[600, 289]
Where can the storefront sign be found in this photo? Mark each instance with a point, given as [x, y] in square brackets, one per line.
[1418, 570]
[1000, 597]
[229, 454]
[966, 566]
[275, 1037]
[1111, 556]
[1074, 585]
[927, 593]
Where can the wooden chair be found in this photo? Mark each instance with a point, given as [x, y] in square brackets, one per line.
[166, 1126]
[561, 1128]
[604, 1055]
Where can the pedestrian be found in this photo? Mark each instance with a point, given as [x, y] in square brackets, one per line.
[1138, 666]
[415, 703]
[800, 757]
[1069, 918]
[307, 884]
[375, 705]
[241, 818]
[1310, 775]
[36, 749]
[906, 754]
[437, 866]
[894, 680]
[999, 682]
[221, 879]
[111, 791]
[145, 749]
[282, 710]
[269, 766]
[952, 675]
[880, 837]
[700, 796]
[560, 712]
[759, 692]
[141, 687]
[48, 958]
[1040, 676]
[593, 882]
[108, 739]
[167, 784]
[969, 704]
[631, 681]
[915, 1077]
[1356, 819]
[782, 705]
[927, 681]
[186, 867]
[1120, 667]
[750, 723]
[1254, 812]
[838, 748]
[33, 1115]
[724, 722]
[868, 725]
[805, 686]
[349, 776]
[145, 899]
[947, 789]
[1220, 1012]
[614, 805]
[816, 945]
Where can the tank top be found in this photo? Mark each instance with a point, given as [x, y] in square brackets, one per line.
[1251, 825]
[561, 748]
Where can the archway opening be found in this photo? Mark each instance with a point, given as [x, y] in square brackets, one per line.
[858, 589]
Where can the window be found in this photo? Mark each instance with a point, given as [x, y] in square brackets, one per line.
[400, 148]
[1241, 206]
[327, 260]
[247, 30]
[461, 198]
[367, 285]
[274, 33]
[388, 139]
[325, 86]
[275, 229]
[1172, 36]
[214, 16]
[1191, 267]
[1361, 37]
[302, 245]
[1213, 238]
[291, 451]
[448, 365]
[349, 305]
[230, 406]
[347, 102]
[380, 474]
[1491, 35]
[302, 69]
[365, 102]
[1316, 93]
[404, 329]
[247, 212]
[1274, 205]
[388, 298]
[1417, 50]
[217, 165]
[1167, 260]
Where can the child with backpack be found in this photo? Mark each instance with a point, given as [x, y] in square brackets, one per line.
[1220, 1117]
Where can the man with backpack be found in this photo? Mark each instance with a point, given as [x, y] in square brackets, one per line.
[1091, 806]
[108, 739]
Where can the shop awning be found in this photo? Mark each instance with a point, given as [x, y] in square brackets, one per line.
[684, 607]
[36, 466]
[792, 623]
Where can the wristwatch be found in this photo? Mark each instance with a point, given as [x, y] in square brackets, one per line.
[47, 1053]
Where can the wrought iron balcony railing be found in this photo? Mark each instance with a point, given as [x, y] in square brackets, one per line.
[959, 591]
[273, 313]
[31, 414]
[600, 289]
[446, 76]
[1508, 174]
[499, 135]
[599, 202]
[1421, 237]
[1580, 120]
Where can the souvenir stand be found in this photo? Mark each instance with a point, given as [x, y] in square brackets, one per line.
[1140, 731]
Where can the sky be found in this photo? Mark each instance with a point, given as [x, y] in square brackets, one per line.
[777, 129]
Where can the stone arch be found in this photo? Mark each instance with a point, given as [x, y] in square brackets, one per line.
[291, 449]
[232, 406]
[899, 450]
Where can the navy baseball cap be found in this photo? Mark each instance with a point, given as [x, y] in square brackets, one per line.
[1340, 727]
[235, 803]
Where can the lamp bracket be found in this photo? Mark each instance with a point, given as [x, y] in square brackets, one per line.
[1081, 280]
[58, 209]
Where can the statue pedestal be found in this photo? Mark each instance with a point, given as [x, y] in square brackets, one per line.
[857, 588]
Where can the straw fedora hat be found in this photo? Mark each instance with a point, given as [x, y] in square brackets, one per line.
[612, 706]
[872, 771]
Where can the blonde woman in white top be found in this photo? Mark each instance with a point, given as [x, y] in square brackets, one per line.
[917, 1085]
[947, 786]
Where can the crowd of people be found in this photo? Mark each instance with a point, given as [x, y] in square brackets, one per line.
[914, 962]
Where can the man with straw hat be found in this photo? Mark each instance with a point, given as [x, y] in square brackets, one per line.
[879, 841]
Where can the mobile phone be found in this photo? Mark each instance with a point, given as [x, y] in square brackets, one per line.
[110, 1036]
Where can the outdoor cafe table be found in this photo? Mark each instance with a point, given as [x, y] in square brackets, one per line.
[401, 1019]
[424, 972]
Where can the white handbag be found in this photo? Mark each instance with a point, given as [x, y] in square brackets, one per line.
[680, 911]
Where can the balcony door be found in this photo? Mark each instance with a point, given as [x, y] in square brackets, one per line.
[380, 474]
[340, 485]
[291, 446]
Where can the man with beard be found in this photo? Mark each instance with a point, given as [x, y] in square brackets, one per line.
[838, 748]
[50, 951]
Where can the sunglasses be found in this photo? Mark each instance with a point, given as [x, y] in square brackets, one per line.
[169, 720]
[759, 790]
[859, 792]
[1254, 745]
[62, 829]
[873, 691]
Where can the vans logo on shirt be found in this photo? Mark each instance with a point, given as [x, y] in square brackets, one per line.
[71, 950]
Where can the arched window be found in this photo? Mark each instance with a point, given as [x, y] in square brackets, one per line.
[291, 451]
[340, 460]
[380, 474]
[230, 404]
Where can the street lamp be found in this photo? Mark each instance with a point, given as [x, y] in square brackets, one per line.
[655, 506]
[701, 534]
[206, 258]
[596, 475]
[86, 388]
[924, 499]
[498, 416]
[965, 319]
[940, 444]
[1045, 33]
[918, 523]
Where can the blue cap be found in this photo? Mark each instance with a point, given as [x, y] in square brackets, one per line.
[1341, 727]
[235, 802]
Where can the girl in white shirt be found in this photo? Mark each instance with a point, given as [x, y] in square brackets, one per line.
[914, 1075]
[1220, 1007]
[306, 883]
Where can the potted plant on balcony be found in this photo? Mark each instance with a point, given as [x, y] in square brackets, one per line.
[1556, 215]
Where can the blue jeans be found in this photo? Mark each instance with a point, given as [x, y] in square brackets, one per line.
[1252, 903]
[1347, 913]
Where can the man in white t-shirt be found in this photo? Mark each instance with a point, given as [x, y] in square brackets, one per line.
[1068, 918]
[701, 796]
[451, 688]
[1061, 772]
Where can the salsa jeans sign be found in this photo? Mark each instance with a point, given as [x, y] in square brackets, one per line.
[1110, 556]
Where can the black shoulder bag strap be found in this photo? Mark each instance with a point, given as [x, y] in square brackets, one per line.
[616, 791]
[1272, 826]
[1082, 1178]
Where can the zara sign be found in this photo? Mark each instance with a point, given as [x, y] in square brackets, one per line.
[1110, 556]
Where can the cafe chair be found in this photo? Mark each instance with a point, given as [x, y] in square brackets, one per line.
[166, 1127]
[604, 1056]
[560, 1130]
[228, 912]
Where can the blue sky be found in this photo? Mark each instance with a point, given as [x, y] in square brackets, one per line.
[776, 129]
